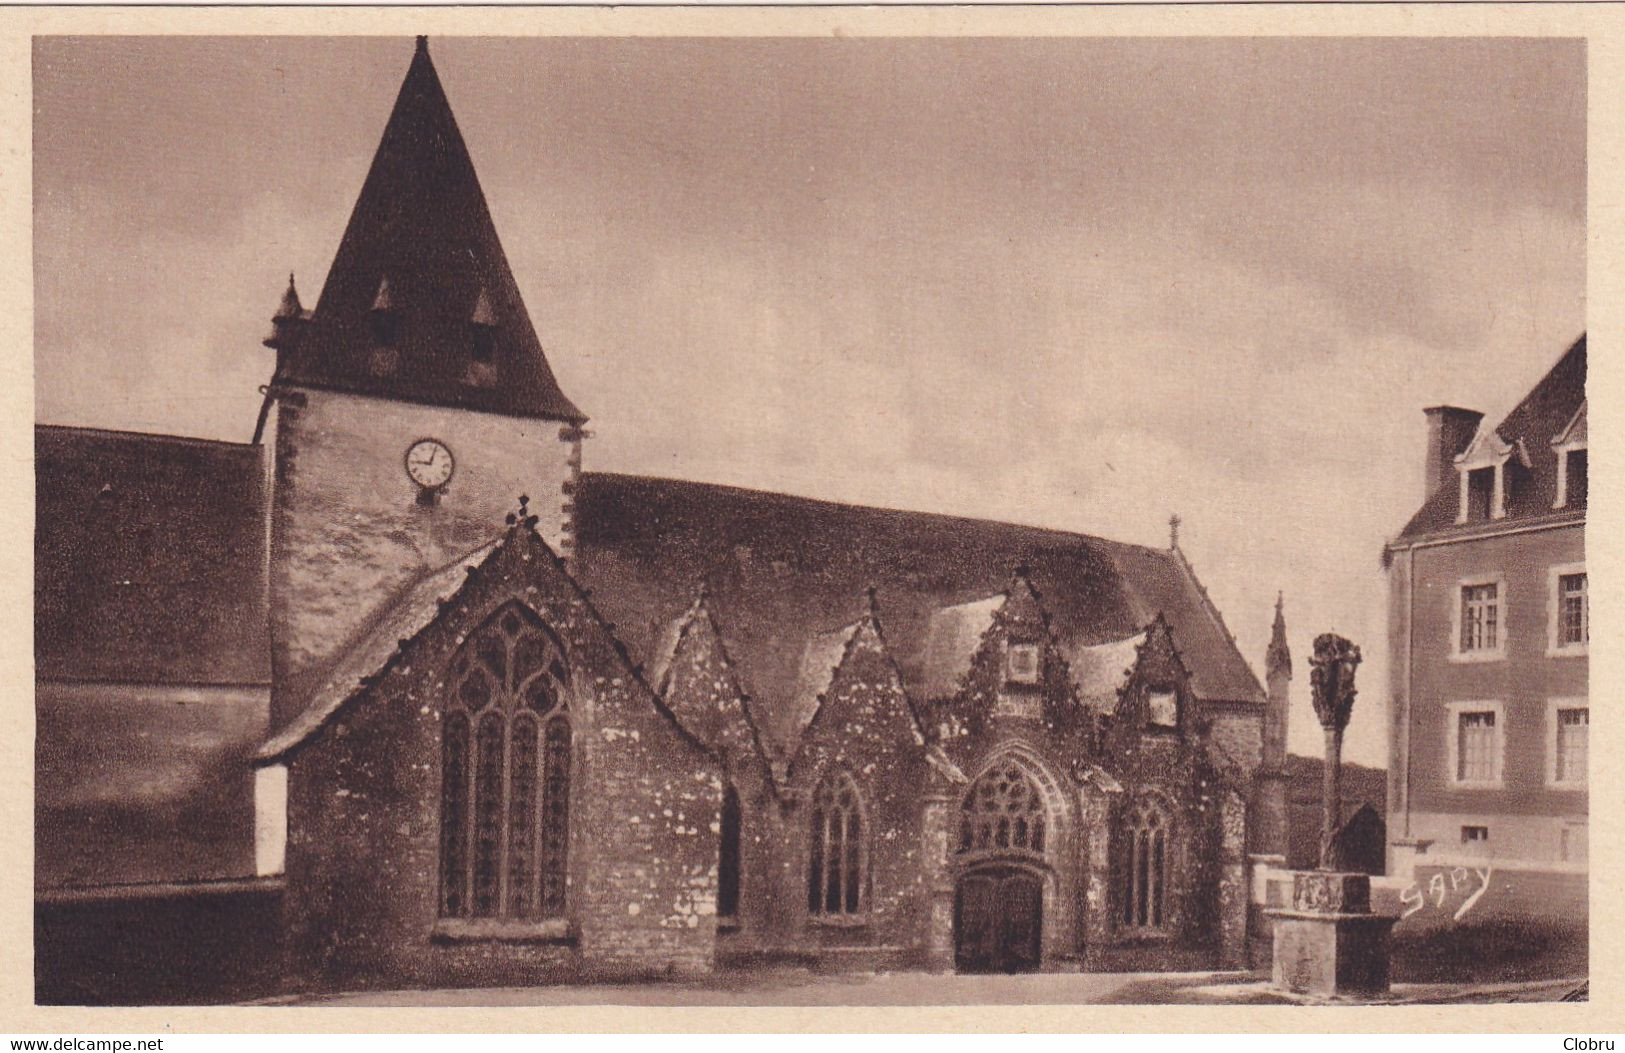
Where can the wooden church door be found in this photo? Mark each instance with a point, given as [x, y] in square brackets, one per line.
[998, 921]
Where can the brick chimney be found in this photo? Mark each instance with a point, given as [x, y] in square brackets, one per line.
[1450, 429]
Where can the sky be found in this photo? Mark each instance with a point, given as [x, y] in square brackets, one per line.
[1079, 283]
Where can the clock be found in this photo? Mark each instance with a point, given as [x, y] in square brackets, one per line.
[429, 463]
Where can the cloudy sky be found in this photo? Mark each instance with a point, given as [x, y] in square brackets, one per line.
[1077, 283]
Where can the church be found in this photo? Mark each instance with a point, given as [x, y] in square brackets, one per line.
[430, 704]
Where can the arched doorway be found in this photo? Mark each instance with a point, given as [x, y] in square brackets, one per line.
[998, 920]
[1005, 833]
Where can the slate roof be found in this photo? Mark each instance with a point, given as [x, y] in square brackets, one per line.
[951, 638]
[150, 567]
[1101, 670]
[422, 230]
[781, 571]
[1544, 414]
[149, 558]
[372, 647]
[820, 660]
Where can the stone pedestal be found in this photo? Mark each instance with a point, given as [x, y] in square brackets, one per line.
[1328, 943]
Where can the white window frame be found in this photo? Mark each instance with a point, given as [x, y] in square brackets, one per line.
[1498, 507]
[1482, 654]
[1563, 473]
[1555, 648]
[1552, 708]
[1453, 712]
[1576, 831]
[1564, 445]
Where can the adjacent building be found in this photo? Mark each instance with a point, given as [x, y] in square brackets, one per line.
[1489, 631]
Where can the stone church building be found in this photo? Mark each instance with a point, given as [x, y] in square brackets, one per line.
[440, 707]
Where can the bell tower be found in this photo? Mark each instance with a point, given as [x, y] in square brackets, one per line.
[411, 406]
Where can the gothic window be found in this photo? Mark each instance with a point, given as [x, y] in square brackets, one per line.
[505, 774]
[728, 859]
[835, 857]
[1002, 813]
[1145, 885]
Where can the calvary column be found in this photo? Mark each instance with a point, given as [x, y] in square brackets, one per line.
[1329, 943]
[1331, 681]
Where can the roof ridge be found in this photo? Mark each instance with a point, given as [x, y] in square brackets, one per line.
[308, 720]
[154, 436]
[852, 632]
[287, 739]
[396, 314]
[1535, 389]
[1212, 609]
[837, 503]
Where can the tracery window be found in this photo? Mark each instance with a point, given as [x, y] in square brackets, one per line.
[505, 773]
[1002, 812]
[1145, 886]
[836, 854]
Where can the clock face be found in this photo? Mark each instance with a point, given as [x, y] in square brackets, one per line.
[429, 463]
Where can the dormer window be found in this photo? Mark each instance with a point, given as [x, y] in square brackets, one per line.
[482, 330]
[1572, 477]
[1484, 469]
[383, 319]
[1578, 483]
[1021, 663]
[1479, 494]
[385, 327]
[1162, 709]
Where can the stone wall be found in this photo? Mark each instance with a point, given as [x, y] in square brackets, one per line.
[364, 793]
[347, 529]
[1239, 733]
[864, 728]
[699, 685]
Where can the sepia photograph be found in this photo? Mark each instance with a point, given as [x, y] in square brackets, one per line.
[810, 521]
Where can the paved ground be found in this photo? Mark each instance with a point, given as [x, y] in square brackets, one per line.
[800, 988]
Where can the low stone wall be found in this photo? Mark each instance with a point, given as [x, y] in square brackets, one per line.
[158, 945]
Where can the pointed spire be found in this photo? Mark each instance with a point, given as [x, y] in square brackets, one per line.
[289, 312]
[290, 306]
[422, 219]
[1173, 531]
[1278, 658]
